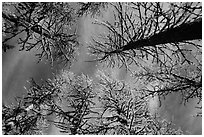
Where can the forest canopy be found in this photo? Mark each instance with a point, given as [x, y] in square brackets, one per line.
[158, 44]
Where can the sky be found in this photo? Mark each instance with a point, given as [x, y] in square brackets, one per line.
[18, 67]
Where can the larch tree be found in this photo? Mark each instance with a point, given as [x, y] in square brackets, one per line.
[162, 40]
[140, 30]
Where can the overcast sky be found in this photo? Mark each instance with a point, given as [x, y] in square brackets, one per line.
[18, 67]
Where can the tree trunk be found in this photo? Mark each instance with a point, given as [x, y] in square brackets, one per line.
[184, 32]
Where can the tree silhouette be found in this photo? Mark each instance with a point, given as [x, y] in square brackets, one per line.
[142, 31]
[44, 26]
[162, 39]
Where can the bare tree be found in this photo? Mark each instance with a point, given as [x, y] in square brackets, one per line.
[44, 26]
[154, 31]
[162, 39]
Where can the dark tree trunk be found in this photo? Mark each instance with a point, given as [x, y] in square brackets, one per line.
[184, 32]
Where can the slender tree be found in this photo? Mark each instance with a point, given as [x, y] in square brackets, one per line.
[162, 39]
[142, 31]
